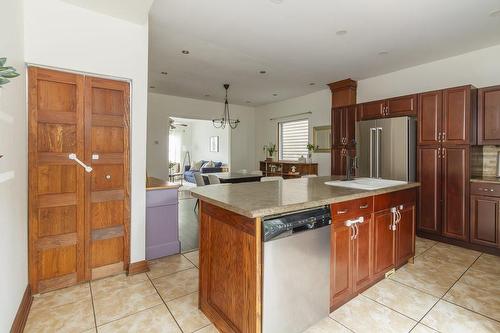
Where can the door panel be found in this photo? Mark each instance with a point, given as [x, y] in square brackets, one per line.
[337, 127]
[372, 110]
[56, 203]
[485, 220]
[429, 176]
[455, 192]
[430, 112]
[405, 234]
[489, 116]
[341, 259]
[107, 187]
[363, 254]
[350, 125]
[402, 106]
[384, 239]
[456, 115]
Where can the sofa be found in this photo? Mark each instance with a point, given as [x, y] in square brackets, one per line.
[189, 174]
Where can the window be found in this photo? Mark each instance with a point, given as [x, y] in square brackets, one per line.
[293, 139]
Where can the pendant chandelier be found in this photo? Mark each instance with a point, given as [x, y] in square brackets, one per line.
[226, 119]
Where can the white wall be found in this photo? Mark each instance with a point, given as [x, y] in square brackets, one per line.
[201, 132]
[13, 169]
[480, 68]
[65, 36]
[161, 107]
[319, 103]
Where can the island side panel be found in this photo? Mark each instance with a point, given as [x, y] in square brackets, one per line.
[230, 269]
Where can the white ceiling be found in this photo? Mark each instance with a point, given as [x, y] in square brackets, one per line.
[131, 10]
[297, 44]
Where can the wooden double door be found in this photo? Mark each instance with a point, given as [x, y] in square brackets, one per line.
[79, 208]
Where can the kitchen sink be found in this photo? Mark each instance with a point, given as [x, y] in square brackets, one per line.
[366, 183]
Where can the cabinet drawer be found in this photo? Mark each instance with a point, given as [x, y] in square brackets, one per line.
[490, 189]
[388, 200]
[352, 208]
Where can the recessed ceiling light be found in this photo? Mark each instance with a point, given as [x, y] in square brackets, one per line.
[312, 84]
[248, 102]
[275, 94]
[383, 53]
[152, 87]
[341, 32]
[495, 13]
[207, 95]
[164, 73]
[263, 72]
[185, 52]
[277, 1]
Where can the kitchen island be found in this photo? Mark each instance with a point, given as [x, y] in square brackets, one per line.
[231, 241]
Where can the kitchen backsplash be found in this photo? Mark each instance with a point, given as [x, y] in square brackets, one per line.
[488, 156]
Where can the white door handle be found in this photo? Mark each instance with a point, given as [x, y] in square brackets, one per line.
[73, 157]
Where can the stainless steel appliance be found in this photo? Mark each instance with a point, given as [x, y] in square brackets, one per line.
[296, 270]
[387, 148]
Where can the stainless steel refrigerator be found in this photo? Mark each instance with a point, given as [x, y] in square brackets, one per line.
[387, 148]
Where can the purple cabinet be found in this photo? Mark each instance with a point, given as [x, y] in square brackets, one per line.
[162, 225]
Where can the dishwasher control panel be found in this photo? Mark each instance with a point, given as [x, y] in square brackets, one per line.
[285, 225]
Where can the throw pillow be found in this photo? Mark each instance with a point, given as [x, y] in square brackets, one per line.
[196, 166]
[209, 164]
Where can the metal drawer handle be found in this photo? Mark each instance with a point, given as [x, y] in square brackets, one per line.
[363, 206]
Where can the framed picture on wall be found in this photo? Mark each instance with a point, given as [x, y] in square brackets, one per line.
[214, 144]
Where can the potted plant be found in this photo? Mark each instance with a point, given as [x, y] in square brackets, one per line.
[310, 149]
[270, 149]
[6, 72]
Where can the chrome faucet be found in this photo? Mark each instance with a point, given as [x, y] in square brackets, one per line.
[351, 166]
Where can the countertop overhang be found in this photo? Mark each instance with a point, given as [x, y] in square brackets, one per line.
[259, 199]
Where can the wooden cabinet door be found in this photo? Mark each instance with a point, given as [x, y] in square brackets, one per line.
[338, 161]
[372, 110]
[430, 112]
[363, 254]
[341, 264]
[456, 115]
[56, 183]
[485, 220]
[383, 242]
[405, 234]
[488, 118]
[337, 125]
[430, 193]
[107, 186]
[350, 125]
[402, 106]
[455, 186]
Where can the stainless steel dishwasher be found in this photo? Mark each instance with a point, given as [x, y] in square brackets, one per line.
[296, 258]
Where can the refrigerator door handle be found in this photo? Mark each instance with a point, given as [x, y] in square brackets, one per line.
[378, 152]
[373, 145]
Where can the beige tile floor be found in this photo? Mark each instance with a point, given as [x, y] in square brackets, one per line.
[447, 289]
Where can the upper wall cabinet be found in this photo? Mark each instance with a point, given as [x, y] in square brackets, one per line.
[488, 129]
[393, 107]
[447, 116]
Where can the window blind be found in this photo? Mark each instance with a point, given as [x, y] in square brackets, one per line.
[293, 139]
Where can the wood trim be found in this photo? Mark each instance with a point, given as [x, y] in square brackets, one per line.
[108, 270]
[22, 312]
[50, 242]
[58, 117]
[57, 282]
[107, 196]
[342, 84]
[107, 233]
[138, 267]
[107, 120]
[56, 200]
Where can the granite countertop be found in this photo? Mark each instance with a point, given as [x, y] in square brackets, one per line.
[485, 179]
[258, 199]
[153, 183]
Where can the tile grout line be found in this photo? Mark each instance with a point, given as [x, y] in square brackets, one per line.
[338, 322]
[164, 302]
[373, 300]
[441, 298]
[182, 270]
[93, 306]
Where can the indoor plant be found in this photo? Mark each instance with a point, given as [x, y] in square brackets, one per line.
[310, 149]
[270, 149]
[6, 72]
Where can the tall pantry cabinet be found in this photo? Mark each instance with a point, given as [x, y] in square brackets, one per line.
[447, 120]
[79, 207]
